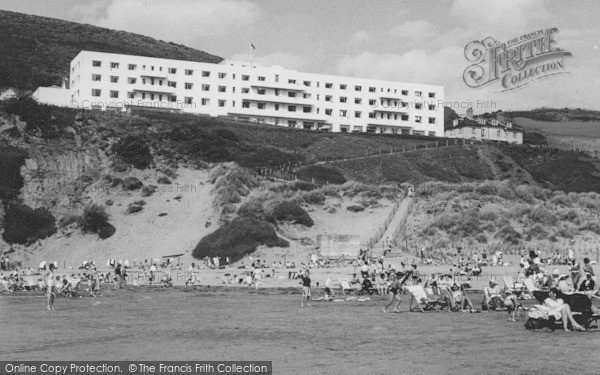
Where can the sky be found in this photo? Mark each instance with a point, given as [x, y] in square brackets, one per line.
[409, 41]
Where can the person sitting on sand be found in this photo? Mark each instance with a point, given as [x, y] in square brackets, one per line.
[560, 310]
[460, 298]
[588, 284]
[442, 296]
[491, 292]
[563, 285]
[4, 285]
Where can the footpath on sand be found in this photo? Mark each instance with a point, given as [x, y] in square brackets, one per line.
[394, 228]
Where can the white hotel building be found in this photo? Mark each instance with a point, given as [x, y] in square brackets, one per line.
[243, 91]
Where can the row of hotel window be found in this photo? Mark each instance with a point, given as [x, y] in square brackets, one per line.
[246, 104]
[291, 94]
[246, 77]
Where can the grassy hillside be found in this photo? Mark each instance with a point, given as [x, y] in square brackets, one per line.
[501, 216]
[36, 51]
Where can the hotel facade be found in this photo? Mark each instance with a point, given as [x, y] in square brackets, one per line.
[246, 92]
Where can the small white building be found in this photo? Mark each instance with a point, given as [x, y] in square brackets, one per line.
[54, 95]
[8, 94]
[485, 129]
[246, 92]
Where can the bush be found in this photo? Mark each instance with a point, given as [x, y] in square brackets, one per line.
[312, 197]
[251, 208]
[11, 181]
[525, 192]
[541, 215]
[133, 150]
[487, 188]
[24, 225]
[537, 232]
[226, 134]
[132, 209]
[131, 183]
[168, 172]
[481, 238]
[148, 190]
[164, 180]
[355, 208]
[238, 238]
[106, 231]
[508, 234]
[94, 218]
[290, 211]
[571, 216]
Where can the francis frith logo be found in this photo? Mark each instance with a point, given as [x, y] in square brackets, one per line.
[515, 63]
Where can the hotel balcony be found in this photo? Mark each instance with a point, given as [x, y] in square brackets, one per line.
[159, 75]
[155, 89]
[282, 114]
[282, 99]
[278, 85]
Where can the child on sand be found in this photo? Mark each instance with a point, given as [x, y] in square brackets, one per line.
[305, 287]
[511, 304]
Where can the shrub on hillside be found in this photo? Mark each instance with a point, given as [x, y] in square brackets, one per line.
[148, 190]
[537, 232]
[133, 150]
[321, 175]
[251, 208]
[571, 216]
[525, 192]
[355, 208]
[589, 200]
[94, 218]
[488, 215]
[505, 190]
[238, 238]
[508, 234]
[163, 180]
[289, 211]
[226, 134]
[131, 183]
[541, 215]
[566, 231]
[311, 197]
[481, 238]
[487, 188]
[560, 198]
[106, 231]
[592, 226]
[46, 121]
[11, 181]
[24, 225]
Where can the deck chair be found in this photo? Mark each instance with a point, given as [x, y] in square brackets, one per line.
[423, 301]
[346, 288]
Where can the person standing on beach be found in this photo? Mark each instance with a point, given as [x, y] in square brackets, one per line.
[394, 292]
[50, 282]
[152, 270]
[305, 281]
